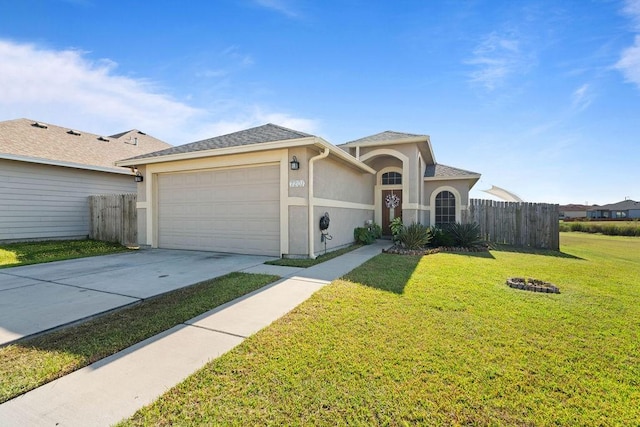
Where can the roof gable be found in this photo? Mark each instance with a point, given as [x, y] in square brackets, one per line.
[443, 171]
[386, 136]
[389, 137]
[24, 139]
[256, 135]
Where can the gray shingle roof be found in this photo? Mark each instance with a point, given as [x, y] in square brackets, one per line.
[45, 142]
[388, 135]
[256, 135]
[444, 171]
[620, 206]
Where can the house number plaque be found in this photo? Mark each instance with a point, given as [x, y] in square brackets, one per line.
[295, 183]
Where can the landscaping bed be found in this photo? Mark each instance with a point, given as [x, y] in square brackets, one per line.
[400, 250]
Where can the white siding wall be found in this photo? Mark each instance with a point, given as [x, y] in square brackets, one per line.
[50, 202]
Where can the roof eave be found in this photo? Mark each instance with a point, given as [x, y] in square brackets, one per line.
[273, 145]
[38, 160]
[343, 155]
[447, 178]
[422, 138]
[214, 152]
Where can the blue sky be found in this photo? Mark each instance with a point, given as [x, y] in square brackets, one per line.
[540, 97]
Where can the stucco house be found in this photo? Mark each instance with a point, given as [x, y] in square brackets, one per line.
[263, 190]
[574, 211]
[627, 209]
[47, 172]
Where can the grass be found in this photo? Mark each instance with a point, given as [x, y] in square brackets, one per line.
[24, 253]
[308, 262]
[439, 340]
[31, 363]
[611, 228]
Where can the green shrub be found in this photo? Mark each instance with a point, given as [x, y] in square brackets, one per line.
[396, 227]
[612, 229]
[440, 236]
[415, 236]
[376, 230]
[465, 235]
[363, 235]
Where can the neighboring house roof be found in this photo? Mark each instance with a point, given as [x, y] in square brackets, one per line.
[574, 208]
[256, 135]
[37, 142]
[439, 171]
[390, 137]
[620, 206]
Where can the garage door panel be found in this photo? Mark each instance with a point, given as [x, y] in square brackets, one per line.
[231, 210]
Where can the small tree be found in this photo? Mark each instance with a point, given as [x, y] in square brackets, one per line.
[396, 227]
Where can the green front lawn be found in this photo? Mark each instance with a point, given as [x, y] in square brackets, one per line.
[439, 340]
[33, 362]
[308, 262]
[24, 253]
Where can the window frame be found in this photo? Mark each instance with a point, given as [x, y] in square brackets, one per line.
[445, 214]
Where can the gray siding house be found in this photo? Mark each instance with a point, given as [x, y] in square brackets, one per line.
[263, 190]
[47, 172]
[627, 209]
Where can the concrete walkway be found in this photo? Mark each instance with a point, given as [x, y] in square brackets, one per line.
[114, 388]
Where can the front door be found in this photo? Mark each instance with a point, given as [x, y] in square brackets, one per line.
[391, 208]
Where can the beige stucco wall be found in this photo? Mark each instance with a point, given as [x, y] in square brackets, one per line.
[298, 231]
[337, 181]
[346, 194]
[343, 221]
[408, 155]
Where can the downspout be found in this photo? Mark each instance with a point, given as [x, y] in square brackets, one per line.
[312, 160]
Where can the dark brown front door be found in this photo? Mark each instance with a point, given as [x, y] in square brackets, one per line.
[391, 208]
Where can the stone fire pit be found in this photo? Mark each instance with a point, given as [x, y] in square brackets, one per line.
[533, 285]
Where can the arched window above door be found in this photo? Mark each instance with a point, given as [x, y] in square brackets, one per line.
[391, 178]
[445, 208]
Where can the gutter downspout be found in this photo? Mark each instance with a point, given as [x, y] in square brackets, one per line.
[312, 160]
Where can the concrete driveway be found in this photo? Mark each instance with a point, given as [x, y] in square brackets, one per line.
[40, 297]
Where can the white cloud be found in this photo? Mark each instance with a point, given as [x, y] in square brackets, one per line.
[582, 97]
[632, 9]
[629, 63]
[282, 6]
[251, 117]
[496, 58]
[65, 88]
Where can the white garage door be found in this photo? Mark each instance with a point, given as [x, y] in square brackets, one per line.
[229, 210]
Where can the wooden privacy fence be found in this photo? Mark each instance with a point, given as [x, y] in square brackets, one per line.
[113, 218]
[534, 225]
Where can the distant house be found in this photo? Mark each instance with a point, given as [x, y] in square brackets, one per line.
[627, 209]
[572, 211]
[47, 172]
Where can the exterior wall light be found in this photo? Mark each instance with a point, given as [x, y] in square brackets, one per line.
[139, 177]
[295, 164]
